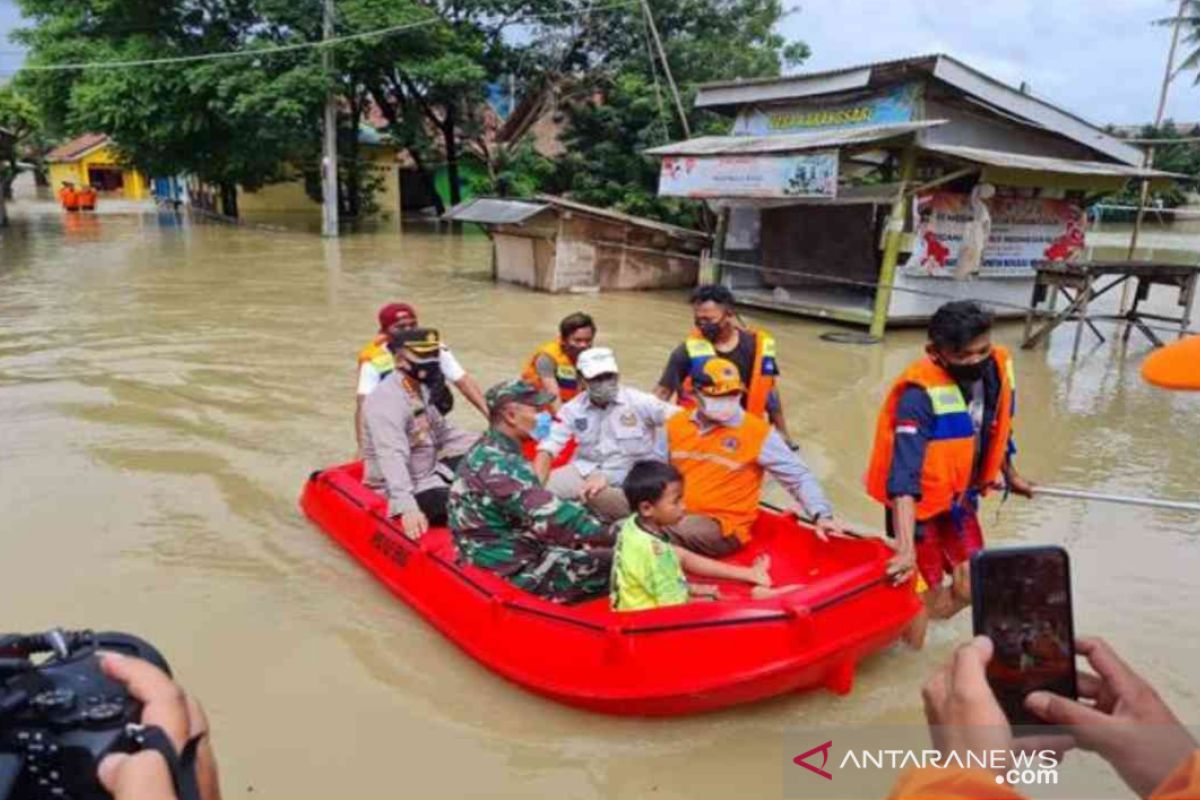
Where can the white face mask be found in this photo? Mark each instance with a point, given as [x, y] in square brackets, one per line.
[720, 409]
[603, 392]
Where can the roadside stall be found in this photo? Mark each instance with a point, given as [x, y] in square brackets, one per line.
[873, 194]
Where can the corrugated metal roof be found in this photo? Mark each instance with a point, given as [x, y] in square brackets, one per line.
[617, 216]
[1001, 158]
[494, 211]
[1037, 111]
[790, 142]
[911, 61]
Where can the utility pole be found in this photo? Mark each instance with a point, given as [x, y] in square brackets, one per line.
[329, 159]
[1148, 161]
[662, 56]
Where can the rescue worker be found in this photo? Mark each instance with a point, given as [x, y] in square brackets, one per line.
[717, 332]
[944, 438]
[552, 365]
[505, 521]
[1123, 720]
[723, 452]
[409, 447]
[375, 363]
[614, 427]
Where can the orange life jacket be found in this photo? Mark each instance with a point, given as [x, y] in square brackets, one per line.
[377, 353]
[721, 475]
[762, 376]
[564, 370]
[950, 454]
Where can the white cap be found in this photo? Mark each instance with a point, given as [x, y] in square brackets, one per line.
[596, 361]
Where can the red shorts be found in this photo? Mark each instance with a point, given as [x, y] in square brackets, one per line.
[942, 545]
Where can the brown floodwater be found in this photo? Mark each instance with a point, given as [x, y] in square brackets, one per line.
[166, 388]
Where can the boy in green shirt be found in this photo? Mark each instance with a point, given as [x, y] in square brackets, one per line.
[648, 571]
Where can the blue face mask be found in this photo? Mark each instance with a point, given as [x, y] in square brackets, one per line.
[541, 428]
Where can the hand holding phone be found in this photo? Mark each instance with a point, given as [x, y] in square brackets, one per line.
[1022, 601]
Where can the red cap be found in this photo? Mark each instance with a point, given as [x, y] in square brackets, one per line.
[392, 312]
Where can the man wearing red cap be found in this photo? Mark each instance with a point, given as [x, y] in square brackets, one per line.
[375, 363]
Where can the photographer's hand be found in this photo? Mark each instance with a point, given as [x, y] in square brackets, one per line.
[961, 709]
[144, 775]
[1127, 723]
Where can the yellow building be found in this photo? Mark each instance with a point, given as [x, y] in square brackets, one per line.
[91, 160]
[381, 159]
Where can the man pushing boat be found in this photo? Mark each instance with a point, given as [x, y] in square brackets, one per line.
[944, 437]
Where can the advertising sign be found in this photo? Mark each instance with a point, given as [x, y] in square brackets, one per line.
[765, 176]
[896, 105]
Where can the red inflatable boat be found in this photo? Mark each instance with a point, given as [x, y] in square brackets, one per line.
[677, 660]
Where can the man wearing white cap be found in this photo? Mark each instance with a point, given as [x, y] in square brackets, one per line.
[614, 427]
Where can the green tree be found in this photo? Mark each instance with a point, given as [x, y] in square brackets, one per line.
[228, 122]
[623, 104]
[20, 139]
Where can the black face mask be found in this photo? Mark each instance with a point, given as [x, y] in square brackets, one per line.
[710, 330]
[427, 374]
[965, 373]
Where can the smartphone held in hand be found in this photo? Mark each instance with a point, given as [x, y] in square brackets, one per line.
[1021, 599]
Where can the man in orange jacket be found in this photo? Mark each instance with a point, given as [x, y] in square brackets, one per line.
[1123, 720]
[942, 440]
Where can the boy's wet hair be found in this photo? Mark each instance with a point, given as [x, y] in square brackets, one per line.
[648, 480]
[713, 293]
[956, 324]
[575, 322]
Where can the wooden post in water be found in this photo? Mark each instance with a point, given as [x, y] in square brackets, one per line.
[329, 158]
[891, 246]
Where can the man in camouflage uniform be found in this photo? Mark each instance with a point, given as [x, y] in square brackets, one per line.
[504, 520]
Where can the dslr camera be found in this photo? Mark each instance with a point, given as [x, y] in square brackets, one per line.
[60, 715]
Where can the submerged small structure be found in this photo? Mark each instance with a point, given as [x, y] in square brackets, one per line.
[872, 194]
[553, 244]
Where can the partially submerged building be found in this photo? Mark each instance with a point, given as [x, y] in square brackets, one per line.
[865, 194]
[92, 160]
[557, 245]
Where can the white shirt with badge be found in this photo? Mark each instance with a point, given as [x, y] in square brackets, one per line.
[611, 439]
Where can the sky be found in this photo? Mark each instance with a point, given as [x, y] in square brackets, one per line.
[1100, 59]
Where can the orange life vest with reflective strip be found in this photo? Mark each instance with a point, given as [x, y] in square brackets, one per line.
[762, 376]
[721, 475]
[564, 370]
[950, 453]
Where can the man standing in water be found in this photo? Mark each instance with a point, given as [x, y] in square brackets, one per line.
[943, 439]
[717, 333]
[505, 521]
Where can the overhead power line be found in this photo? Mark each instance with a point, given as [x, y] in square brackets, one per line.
[287, 48]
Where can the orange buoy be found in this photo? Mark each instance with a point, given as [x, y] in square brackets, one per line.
[1176, 366]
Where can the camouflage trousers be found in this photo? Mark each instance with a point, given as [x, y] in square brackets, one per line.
[568, 575]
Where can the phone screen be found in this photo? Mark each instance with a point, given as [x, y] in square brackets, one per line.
[1022, 602]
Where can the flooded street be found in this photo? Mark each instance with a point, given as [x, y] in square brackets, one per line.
[166, 388]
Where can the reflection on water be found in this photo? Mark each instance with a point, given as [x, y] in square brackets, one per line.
[166, 387]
